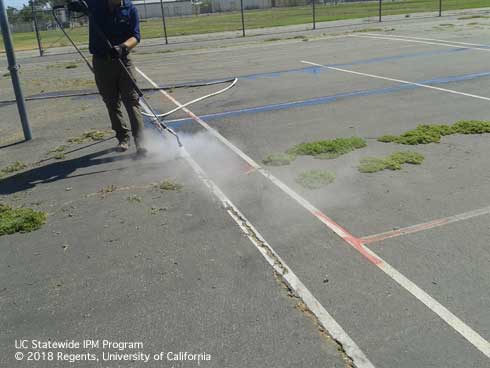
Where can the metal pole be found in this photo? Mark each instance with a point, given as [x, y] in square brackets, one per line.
[380, 11]
[243, 18]
[36, 28]
[14, 71]
[164, 24]
[440, 8]
[146, 10]
[314, 13]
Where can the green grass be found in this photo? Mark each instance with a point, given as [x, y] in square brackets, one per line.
[392, 162]
[432, 133]
[328, 149]
[315, 179]
[23, 220]
[278, 159]
[261, 18]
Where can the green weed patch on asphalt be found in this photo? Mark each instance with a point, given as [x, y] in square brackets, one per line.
[170, 185]
[392, 162]
[59, 152]
[134, 198]
[315, 179]
[278, 159]
[108, 189]
[59, 156]
[16, 166]
[91, 135]
[432, 133]
[20, 220]
[328, 149]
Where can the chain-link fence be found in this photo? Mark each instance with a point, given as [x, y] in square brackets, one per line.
[34, 27]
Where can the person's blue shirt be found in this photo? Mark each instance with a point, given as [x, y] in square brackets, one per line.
[118, 26]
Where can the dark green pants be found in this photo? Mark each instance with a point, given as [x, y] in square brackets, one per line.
[115, 86]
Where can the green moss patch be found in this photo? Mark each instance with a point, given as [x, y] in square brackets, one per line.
[315, 179]
[20, 220]
[432, 133]
[328, 148]
[278, 159]
[91, 135]
[170, 185]
[392, 162]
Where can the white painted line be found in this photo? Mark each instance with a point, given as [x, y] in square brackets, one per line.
[279, 266]
[428, 39]
[419, 41]
[399, 81]
[453, 321]
[425, 226]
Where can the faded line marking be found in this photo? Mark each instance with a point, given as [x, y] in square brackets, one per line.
[419, 41]
[325, 319]
[431, 39]
[452, 320]
[400, 81]
[425, 226]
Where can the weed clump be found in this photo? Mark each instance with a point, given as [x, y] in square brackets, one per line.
[392, 162]
[20, 220]
[278, 159]
[328, 149]
[170, 185]
[432, 133]
[471, 127]
[91, 135]
[315, 179]
[16, 166]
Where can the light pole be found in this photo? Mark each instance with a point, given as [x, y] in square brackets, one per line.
[14, 71]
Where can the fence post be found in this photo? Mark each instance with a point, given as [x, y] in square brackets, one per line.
[164, 24]
[380, 10]
[243, 18]
[36, 28]
[14, 72]
[440, 8]
[314, 13]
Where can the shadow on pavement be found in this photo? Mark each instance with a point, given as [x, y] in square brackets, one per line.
[57, 171]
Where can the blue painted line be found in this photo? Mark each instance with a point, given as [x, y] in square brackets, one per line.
[179, 123]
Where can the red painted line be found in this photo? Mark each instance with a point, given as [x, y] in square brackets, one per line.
[348, 238]
[248, 169]
[408, 230]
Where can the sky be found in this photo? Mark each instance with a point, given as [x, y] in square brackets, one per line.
[15, 3]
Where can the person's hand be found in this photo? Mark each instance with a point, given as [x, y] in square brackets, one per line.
[119, 51]
[78, 6]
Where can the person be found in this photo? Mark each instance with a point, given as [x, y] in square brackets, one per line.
[119, 22]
